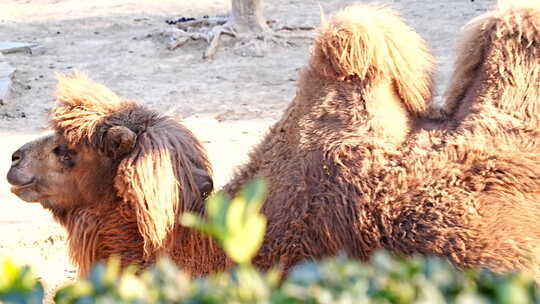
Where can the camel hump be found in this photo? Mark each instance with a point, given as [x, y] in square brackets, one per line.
[514, 18]
[508, 36]
[372, 42]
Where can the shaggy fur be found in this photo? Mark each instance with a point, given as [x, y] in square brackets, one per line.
[467, 190]
[496, 60]
[132, 173]
[154, 176]
[361, 42]
[357, 102]
[472, 194]
[362, 78]
[346, 165]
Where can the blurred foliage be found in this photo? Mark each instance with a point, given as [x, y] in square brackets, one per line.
[387, 279]
[237, 223]
[18, 284]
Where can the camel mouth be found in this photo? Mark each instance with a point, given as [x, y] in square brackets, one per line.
[26, 191]
[23, 186]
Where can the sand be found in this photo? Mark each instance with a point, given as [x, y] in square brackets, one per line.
[228, 102]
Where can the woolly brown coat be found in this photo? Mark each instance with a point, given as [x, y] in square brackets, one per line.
[473, 191]
[356, 166]
[350, 165]
[117, 176]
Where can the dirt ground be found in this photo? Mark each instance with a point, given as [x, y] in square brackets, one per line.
[228, 102]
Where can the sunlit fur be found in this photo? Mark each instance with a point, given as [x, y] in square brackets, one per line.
[153, 182]
[498, 62]
[349, 171]
[465, 188]
[368, 82]
[372, 42]
[357, 102]
[472, 192]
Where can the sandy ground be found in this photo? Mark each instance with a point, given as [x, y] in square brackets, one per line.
[228, 102]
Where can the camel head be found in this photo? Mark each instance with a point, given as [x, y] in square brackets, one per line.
[51, 171]
[107, 150]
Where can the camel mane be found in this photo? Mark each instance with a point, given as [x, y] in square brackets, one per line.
[358, 42]
[495, 31]
[155, 174]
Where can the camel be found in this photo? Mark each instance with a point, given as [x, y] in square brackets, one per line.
[115, 175]
[461, 183]
[109, 171]
[355, 164]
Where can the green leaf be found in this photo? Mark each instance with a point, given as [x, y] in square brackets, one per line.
[193, 221]
[216, 209]
[112, 270]
[70, 293]
[255, 193]
[131, 287]
[512, 293]
[237, 225]
[244, 239]
[9, 274]
[236, 216]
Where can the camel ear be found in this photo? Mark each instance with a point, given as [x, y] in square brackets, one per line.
[204, 182]
[119, 141]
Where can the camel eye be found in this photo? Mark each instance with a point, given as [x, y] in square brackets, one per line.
[56, 150]
[60, 150]
[64, 155]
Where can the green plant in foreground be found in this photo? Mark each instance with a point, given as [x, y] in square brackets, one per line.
[236, 224]
[18, 284]
[163, 283]
[239, 227]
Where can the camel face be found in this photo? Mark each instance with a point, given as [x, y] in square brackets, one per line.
[49, 171]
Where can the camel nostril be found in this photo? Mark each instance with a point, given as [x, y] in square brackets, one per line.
[16, 158]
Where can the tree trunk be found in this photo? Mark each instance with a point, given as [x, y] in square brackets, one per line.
[247, 16]
[6, 72]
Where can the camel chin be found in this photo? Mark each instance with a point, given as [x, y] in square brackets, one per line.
[26, 193]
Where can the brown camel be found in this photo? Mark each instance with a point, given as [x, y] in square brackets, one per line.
[109, 173]
[116, 175]
[464, 186]
[350, 165]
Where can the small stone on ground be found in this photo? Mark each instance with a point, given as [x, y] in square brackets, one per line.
[7, 47]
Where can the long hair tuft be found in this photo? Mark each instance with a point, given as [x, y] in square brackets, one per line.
[513, 21]
[156, 176]
[83, 106]
[373, 42]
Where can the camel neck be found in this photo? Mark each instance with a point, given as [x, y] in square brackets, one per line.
[198, 253]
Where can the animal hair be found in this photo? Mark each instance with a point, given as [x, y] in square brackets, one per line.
[347, 168]
[511, 32]
[356, 104]
[475, 197]
[466, 190]
[348, 46]
[346, 100]
[155, 176]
